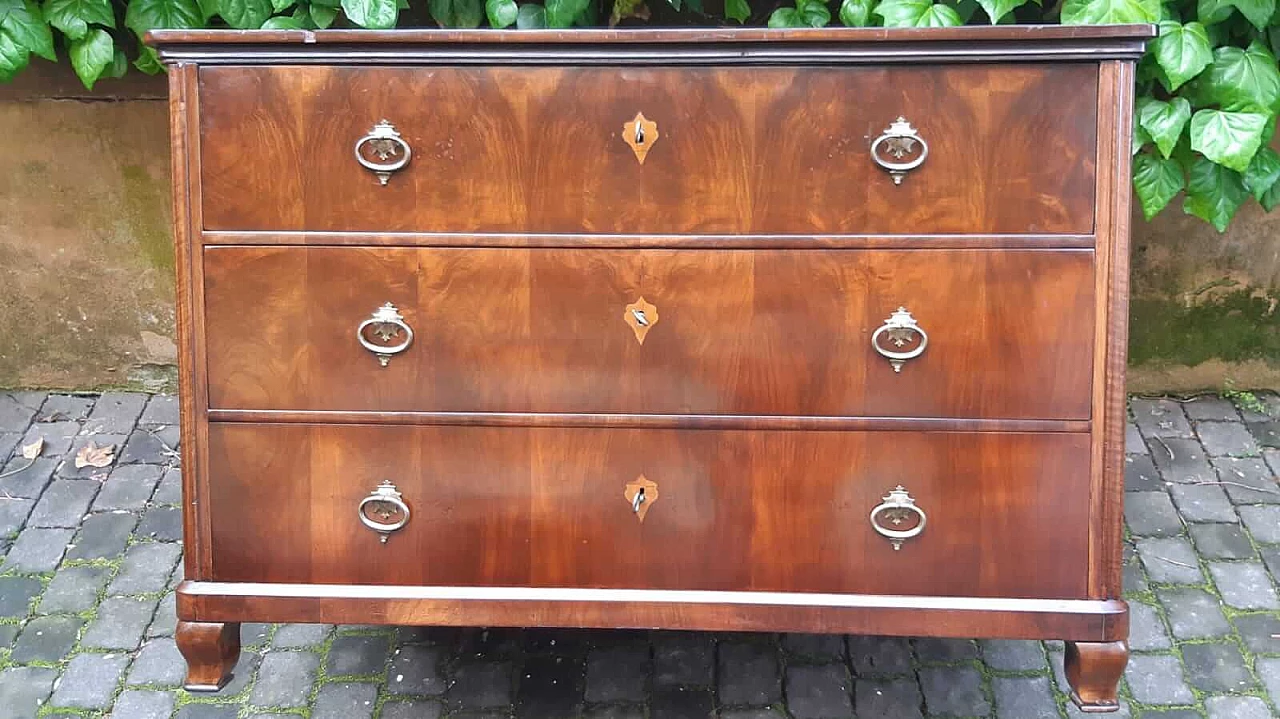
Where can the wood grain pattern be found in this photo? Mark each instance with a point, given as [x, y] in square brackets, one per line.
[545, 508]
[1094, 670]
[770, 332]
[774, 150]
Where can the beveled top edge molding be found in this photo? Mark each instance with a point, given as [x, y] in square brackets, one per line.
[675, 46]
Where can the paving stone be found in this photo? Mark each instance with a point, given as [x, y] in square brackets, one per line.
[1211, 407]
[1268, 669]
[1244, 585]
[879, 656]
[1221, 541]
[8, 633]
[1259, 632]
[412, 709]
[67, 468]
[143, 704]
[619, 674]
[26, 479]
[46, 639]
[415, 669]
[1247, 480]
[16, 594]
[23, 690]
[481, 685]
[887, 699]
[819, 692]
[749, 674]
[169, 490]
[1267, 433]
[1140, 474]
[814, 647]
[1193, 613]
[58, 437]
[8, 443]
[1172, 714]
[1170, 560]
[163, 524]
[297, 636]
[685, 659]
[1024, 698]
[120, 624]
[146, 568]
[90, 681]
[1237, 708]
[1226, 439]
[65, 408]
[1013, 655]
[16, 411]
[1151, 514]
[254, 634]
[1160, 418]
[936, 650]
[103, 536]
[242, 675]
[1181, 460]
[13, 515]
[1123, 712]
[551, 687]
[1203, 503]
[156, 445]
[37, 550]
[161, 409]
[1272, 457]
[1146, 628]
[630, 712]
[357, 655]
[345, 700]
[285, 679]
[158, 664]
[680, 703]
[165, 622]
[115, 413]
[490, 643]
[953, 691]
[1216, 667]
[208, 711]
[1263, 522]
[1157, 679]
[64, 503]
[128, 487]
[1133, 442]
[1133, 576]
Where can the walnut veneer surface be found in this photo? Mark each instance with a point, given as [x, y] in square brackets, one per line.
[694, 329]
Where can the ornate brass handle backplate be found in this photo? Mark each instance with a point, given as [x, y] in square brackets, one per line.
[383, 151]
[899, 150]
[384, 510]
[900, 511]
[899, 339]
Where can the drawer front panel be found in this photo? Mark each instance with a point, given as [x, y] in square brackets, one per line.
[1009, 333]
[1011, 149]
[1007, 514]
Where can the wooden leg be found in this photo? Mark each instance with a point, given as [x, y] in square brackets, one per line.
[1093, 670]
[211, 650]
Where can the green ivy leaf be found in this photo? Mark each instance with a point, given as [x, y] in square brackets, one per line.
[1182, 51]
[376, 14]
[1140, 138]
[119, 65]
[1242, 80]
[561, 13]
[856, 13]
[1262, 173]
[737, 10]
[1164, 121]
[916, 13]
[323, 16]
[1270, 198]
[148, 61]
[144, 15]
[531, 17]
[813, 13]
[73, 17]
[1110, 12]
[1214, 193]
[1211, 12]
[502, 13]
[784, 17]
[1156, 181]
[1227, 138]
[245, 14]
[997, 9]
[1258, 12]
[91, 55]
[281, 22]
[13, 57]
[281, 5]
[25, 25]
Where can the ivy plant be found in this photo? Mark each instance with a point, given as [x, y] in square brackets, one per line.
[1208, 88]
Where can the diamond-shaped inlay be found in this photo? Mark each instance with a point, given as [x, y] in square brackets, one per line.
[641, 316]
[641, 494]
[640, 134]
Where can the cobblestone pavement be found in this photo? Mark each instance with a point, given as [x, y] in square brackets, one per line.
[90, 556]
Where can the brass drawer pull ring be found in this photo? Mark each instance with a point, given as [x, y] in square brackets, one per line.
[375, 151]
[898, 508]
[385, 325]
[900, 330]
[383, 510]
[898, 141]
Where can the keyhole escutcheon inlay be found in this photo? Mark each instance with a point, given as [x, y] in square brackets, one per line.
[640, 134]
[641, 317]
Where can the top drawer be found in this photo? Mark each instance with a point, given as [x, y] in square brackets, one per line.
[735, 150]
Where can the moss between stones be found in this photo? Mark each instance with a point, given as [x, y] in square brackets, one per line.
[1233, 327]
[145, 199]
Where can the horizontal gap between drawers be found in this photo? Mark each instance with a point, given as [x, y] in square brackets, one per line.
[651, 421]
[657, 241]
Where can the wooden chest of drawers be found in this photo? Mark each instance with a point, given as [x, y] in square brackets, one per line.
[718, 330]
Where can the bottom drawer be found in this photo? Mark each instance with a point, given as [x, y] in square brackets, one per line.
[1007, 514]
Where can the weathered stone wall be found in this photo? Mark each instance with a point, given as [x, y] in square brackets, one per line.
[86, 267]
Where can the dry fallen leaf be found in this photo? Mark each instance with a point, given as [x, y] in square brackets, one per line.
[33, 450]
[91, 455]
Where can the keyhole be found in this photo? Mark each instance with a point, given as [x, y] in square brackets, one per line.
[641, 319]
[639, 134]
[639, 500]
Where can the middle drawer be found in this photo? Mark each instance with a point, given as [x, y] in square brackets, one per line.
[981, 333]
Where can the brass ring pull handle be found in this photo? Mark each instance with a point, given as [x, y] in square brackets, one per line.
[898, 141]
[388, 510]
[897, 508]
[900, 330]
[376, 150]
[385, 325]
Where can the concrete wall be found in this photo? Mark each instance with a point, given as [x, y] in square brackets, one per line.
[86, 267]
